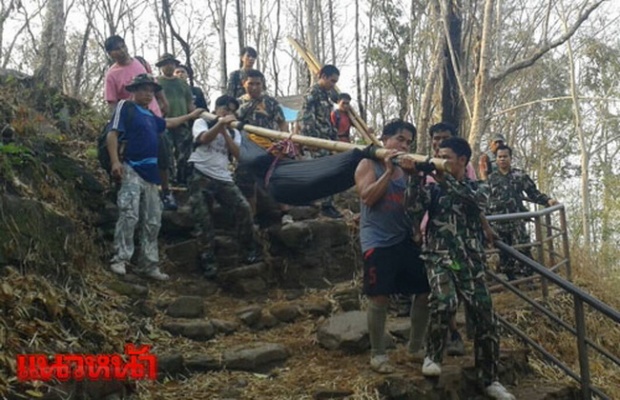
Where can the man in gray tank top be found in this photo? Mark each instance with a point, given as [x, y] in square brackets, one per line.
[391, 259]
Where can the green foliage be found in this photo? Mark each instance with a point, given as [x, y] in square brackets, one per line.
[13, 157]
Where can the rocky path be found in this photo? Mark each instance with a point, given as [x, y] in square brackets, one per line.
[284, 328]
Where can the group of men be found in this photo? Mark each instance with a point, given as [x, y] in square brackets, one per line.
[199, 155]
[424, 234]
[421, 233]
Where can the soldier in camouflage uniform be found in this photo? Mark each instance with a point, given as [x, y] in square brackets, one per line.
[455, 262]
[486, 163]
[506, 186]
[236, 78]
[211, 179]
[315, 120]
[258, 109]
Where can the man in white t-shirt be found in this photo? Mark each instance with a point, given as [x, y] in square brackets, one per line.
[212, 179]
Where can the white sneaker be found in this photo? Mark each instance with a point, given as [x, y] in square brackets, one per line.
[430, 368]
[499, 392]
[287, 219]
[156, 274]
[119, 267]
[381, 364]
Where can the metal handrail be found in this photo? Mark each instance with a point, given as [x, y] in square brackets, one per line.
[561, 282]
[579, 297]
[523, 215]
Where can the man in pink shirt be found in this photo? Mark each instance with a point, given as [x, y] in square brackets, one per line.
[118, 76]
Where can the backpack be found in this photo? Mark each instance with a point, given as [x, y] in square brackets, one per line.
[102, 145]
[144, 63]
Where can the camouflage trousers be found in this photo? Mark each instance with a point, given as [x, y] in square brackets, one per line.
[203, 190]
[450, 281]
[182, 144]
[138, 200]
[513, 234]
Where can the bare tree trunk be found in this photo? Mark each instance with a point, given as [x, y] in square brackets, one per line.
[79, 68]
[427, 96]
[358, 77]
[584, 153]
[4, 14]
[481, 84]
[240, 23]
[219, 20]
[165, 4]
[52, 55]
[368, 43]
[311, 27]
[276, 39]
[451, 95]
[322, 55]
[332, 22]
[259, 32]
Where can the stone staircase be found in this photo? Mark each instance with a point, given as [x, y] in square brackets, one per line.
[266, 331]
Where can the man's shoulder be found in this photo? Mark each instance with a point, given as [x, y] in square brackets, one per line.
[270, 101]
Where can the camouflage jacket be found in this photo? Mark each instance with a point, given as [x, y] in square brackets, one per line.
[235, 87]
[454, 227]
[316, 114]
[506, 192]
[265, 112]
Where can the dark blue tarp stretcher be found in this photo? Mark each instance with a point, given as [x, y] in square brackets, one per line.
[299, 182]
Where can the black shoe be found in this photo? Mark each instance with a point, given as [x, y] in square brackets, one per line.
[208, 264]
[330, 212]
[252, 257]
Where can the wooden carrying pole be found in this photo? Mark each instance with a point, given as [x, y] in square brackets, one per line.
[315, 67]
[326, 144]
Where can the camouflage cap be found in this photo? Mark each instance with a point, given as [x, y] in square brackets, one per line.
[143, 79]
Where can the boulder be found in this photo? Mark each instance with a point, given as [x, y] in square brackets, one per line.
[318, 308]
[347, 331]
[128, 289]
[187, 307]
[196, 330]
[203, 363]
[347, 298]
[258, 357]
[32, 232]
[250, 315]
[285, 312]
[225, 327]
[302, 213]
[267, 321]
[179, 223]
[184, 256]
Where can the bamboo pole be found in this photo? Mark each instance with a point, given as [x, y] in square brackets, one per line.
[315, 67]
[327, 144]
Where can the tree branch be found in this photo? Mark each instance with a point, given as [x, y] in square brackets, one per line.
[527, 62]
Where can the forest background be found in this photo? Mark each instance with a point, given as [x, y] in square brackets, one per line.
[542, 73]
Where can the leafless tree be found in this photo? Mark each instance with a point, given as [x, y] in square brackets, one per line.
[52, 55]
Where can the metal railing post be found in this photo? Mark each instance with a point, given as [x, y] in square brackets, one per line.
[582, 348]
[541, 256]
[569, 275]
[549, 239]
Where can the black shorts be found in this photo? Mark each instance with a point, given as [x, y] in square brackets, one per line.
[396, 269]
[163, 156]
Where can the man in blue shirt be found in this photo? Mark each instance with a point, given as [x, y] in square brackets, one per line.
[136, 168]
